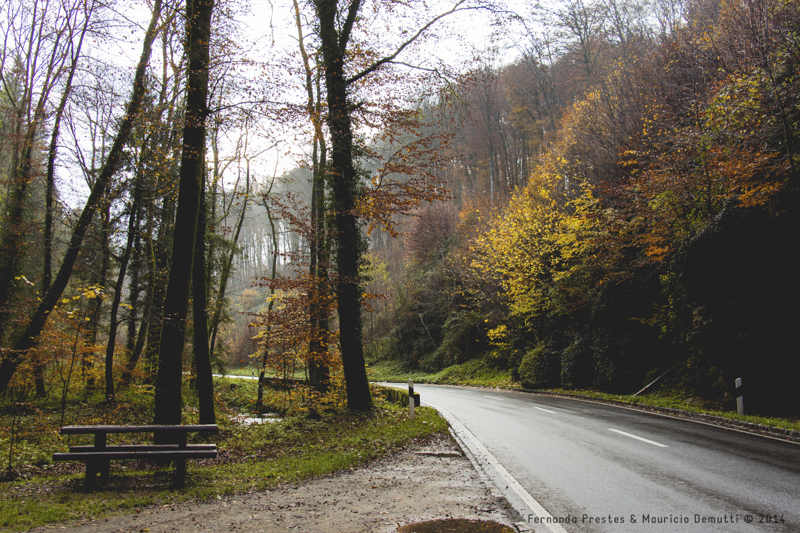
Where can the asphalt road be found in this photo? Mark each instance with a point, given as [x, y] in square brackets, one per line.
[599, 468]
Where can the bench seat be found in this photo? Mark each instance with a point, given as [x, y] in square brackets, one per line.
[98, 456]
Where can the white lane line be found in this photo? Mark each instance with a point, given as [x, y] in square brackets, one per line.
[495, 398]
[546, 518]
[545, 410]
[654, 443]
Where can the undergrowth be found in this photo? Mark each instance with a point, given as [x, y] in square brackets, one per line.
[476, 373]
[676, 399]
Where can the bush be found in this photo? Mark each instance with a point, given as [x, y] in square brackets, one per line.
[577, 365]
[540, 368]
[464, 339]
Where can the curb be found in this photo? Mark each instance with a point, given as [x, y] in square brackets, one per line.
[486, 481]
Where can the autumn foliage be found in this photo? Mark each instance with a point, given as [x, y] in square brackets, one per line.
[604, 268]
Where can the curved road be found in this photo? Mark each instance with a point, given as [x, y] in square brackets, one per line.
[599, 468]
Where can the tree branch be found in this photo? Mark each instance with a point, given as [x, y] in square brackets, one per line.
[390, 58]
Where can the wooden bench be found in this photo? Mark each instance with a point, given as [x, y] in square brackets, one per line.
[99, 456]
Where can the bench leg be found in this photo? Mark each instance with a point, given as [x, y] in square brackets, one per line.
[90, 481]
[105, 471]
[180, 472]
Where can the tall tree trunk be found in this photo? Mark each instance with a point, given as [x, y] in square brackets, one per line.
[123, 268]
[132, 322]
[273, 273]
[202, 355]
[50, 188]
[28, 120]
[345, 186]
[318, 371]
[99, 278]
[51, 156]
[170, 353]
[34, 327]
[160, 260]
[226, 268]
[138, 347]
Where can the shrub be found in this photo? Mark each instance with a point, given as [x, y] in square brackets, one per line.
[540, 368]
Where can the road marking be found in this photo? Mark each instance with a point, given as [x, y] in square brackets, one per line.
[495, 398]
[465, 434]
[545, 410]
[654, 443]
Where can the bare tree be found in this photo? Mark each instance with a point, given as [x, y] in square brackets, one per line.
[28, 339]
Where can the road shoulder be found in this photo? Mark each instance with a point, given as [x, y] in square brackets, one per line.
[422, 482]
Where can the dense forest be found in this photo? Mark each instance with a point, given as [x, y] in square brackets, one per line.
[625, 206]
[606, 194]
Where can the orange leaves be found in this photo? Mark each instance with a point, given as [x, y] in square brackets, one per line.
[381, 204]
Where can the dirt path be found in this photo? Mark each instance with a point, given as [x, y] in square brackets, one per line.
[417, 484]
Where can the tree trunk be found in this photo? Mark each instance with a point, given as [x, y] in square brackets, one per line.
[318, 371]
[345, 187]
[176, 302]
[273, 273]
[159, 260]
[123, 267]
[226, 269]
[202, 355]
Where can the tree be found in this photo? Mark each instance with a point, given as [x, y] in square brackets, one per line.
[28, 338]
[38, 42]
[176, 302]
[344, 71]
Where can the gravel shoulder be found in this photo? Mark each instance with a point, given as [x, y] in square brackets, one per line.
[421, 482]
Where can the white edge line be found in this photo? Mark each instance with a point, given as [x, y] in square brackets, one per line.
[654, 443]
[663, 415]
[494, 398]
[545, 410]
[513, 484]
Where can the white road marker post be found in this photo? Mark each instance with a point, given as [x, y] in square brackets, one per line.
[739, 396]
[411, 399]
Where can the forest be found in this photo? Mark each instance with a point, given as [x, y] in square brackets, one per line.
[603, 194]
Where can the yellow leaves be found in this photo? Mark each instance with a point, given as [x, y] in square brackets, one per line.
[521, 243]
[498, 336]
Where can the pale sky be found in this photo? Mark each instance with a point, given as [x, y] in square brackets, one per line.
[270, 32]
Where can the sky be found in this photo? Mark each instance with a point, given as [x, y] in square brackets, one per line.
[268, 31]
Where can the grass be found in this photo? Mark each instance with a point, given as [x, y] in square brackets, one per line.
[251, 371]
[676, 399]
[252, 458]
[476, 373]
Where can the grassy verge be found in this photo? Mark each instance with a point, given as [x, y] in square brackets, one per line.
[252, 458]
[674, 399]
[476, 373]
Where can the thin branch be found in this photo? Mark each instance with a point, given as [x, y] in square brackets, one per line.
[390, 58]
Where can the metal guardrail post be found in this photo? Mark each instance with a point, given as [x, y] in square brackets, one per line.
[739, 396]
[411, 399]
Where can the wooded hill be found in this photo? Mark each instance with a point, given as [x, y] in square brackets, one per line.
[626, 205]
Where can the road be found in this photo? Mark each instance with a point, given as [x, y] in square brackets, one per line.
[599, 468]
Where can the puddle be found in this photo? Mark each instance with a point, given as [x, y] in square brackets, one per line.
[249, 420]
